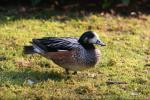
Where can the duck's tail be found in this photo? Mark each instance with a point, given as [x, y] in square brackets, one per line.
[28, 50]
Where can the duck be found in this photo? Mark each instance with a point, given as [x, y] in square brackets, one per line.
[70, 53]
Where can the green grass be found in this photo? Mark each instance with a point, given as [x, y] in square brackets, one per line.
[126, 57]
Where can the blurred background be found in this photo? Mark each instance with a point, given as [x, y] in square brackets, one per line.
[122, 6]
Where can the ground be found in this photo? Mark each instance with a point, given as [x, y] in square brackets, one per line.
[125, 59]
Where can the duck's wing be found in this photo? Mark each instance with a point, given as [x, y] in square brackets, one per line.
[53, 44]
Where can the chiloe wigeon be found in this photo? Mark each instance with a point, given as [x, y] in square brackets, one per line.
[70, 53]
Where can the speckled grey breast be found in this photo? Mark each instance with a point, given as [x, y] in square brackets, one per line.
[86, 58]
[77, 59]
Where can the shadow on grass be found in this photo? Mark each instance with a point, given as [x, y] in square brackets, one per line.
[10, 14]
[13, 14]
[20, 77]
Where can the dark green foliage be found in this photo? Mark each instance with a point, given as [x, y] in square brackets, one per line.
[108, 3]
[126, 1]
[35, 2]
[103, 4]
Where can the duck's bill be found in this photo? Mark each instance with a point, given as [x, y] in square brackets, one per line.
[100, 43]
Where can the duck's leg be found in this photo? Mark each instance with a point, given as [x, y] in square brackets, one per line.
[67, 74]
[67, 71]
[74, 73]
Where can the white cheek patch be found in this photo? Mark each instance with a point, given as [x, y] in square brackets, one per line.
[93, 40]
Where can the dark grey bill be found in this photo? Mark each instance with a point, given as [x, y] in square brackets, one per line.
[100, 43]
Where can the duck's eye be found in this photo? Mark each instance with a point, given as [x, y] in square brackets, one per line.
[85, 40]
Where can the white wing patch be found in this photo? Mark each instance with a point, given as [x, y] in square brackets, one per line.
[62, 50]
[37, 49]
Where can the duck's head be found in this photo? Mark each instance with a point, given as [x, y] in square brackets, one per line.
[90, 38]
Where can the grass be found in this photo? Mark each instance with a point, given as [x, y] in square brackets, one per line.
[126, 57]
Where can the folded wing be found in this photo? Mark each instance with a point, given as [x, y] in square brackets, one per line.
[53, 44]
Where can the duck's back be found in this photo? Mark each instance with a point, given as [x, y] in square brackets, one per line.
[53, 44]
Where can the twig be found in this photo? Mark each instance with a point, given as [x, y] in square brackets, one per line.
[2, 58]
[146, 65]
[115, 82]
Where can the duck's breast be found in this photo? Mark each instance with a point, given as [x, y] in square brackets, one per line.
[88, 58]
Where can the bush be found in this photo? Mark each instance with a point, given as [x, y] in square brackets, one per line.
[102, 4]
